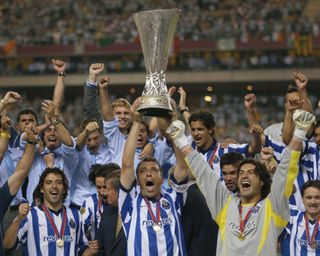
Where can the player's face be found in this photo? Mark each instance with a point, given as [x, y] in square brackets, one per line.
[249, 184]
[142, 136]
[101, 188]
[150, 180]
[53, 191]
[94, 141]
[24, 120]
[229, 172]
[112, 194]
[124, 116]
[317, 135]
[311, 201]
[201, 135]
[52, 139]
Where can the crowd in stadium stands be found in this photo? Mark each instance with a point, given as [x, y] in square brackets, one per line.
[102, 22]
[32, 23]
[187, 61]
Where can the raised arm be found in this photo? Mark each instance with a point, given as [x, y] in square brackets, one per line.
[127, 171]
[250, 106]
[106, 109]
[90, 101]
[4, 135]
[183, 105]
[214, 191]
[287, 170]
[255, 145]
[83, 136]
[24, 165]
[11, 234]
[293, 102]
[9, 99]
[52, 114]
[301, 82]
[58, 93]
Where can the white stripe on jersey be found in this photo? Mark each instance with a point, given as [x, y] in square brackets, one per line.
[90, 215]
[38, 238]
[296, 230]
[137, 222]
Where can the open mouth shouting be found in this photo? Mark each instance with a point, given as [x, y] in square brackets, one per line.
[54, 194]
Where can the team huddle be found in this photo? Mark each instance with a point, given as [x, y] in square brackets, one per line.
[135, 185]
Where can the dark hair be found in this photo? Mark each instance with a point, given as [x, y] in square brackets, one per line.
[310, 183]
[317, 125]
[263, 174]
[291, 88]
[27, 112]
[101, 170]
[114, 178]
[85, 122]
[55, 171]
[149, 159]
[203, 116]
[36, 195]
[232, 158]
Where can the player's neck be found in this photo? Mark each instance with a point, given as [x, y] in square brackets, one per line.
[55, 207]
[311, 216]
[124, 131]
[207, 145]
[253, 200]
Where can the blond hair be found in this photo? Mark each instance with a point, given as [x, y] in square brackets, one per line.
[121, 102]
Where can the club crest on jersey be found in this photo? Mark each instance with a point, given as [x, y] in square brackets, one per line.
[72, 224]
[165, 204]
[255, 209]
[216, 160]
[82, 210]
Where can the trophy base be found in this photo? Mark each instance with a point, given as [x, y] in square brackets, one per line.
[154, 111]
[154, 106]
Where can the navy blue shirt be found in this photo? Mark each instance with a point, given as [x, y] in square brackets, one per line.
[5, 201]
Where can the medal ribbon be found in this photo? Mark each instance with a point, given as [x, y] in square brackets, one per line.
[155, 221]
[244, 221]
[99, 205]
[212, 155]
[53, 225]
[314, 232]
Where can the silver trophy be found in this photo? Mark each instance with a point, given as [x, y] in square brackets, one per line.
[156, 29]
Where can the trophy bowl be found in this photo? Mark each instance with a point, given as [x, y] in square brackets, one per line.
[156, 30]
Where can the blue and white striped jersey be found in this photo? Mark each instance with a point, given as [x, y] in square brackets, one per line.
[138, 224]
[294, 240]
[215, 152]
[309, 165]
[38, 238]
[91, 214]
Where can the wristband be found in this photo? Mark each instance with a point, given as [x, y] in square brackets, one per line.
[31, 142]
[300, 133]
[184, 110]
[61, 73]
[5, 135]
[90, 84]
[55, 121]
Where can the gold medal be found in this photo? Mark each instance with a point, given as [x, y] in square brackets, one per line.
[60, 242]
[156, 228]
[314, 245]
[241, 237]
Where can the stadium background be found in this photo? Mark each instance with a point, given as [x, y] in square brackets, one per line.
[222, 50]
